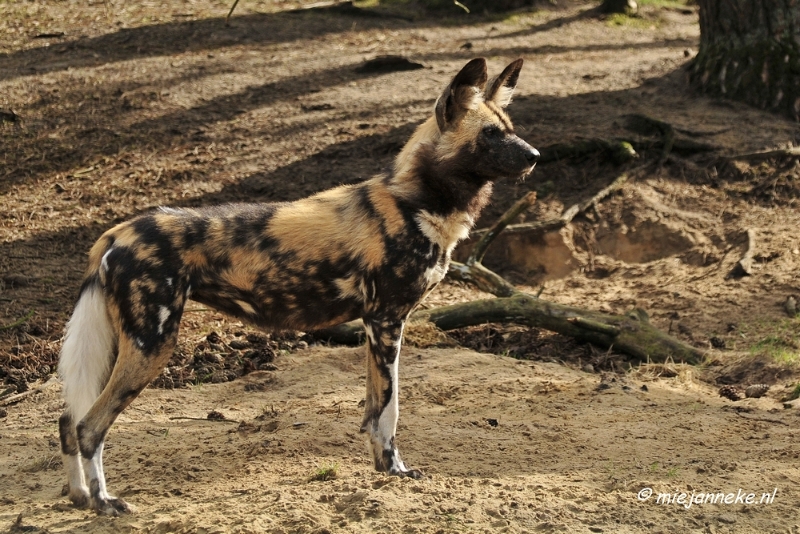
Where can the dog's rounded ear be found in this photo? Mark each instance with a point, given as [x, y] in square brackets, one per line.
[465, 92]
[501, 89]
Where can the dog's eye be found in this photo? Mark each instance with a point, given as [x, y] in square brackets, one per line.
[493, 132]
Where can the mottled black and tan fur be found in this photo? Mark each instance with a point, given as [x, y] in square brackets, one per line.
[370, 251]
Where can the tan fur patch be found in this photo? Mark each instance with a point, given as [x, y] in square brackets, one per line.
[427, 132]
[124, 235]
[328, 226]
[445, 231]
[246, 266]
[350, 287]
[386, 206]
[195, 257]
[147, 253]
[97, 252]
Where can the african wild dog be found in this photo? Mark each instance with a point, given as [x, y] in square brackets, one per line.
[370, 251]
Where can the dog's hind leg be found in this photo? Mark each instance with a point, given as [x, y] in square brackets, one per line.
[132, 372]
[85, 363]
[382, 410]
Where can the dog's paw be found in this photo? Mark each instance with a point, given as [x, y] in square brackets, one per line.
[403, 472]
[80, 499]
[112, 506]
[393, 465]
[79, 496]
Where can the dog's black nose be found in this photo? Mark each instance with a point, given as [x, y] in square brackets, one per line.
[532, 155]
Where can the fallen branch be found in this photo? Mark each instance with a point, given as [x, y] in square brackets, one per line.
[49, 35]
[623, 333]
[479, 250]
[228, 18]
[594, 326]
[483, 278]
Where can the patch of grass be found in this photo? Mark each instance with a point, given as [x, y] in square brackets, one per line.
[656, 467]
[51, 461]
[780, 341]
[778, 347]
[795, 394]
[620, 19]
[663, 3]
[325, 473]
[672, 472]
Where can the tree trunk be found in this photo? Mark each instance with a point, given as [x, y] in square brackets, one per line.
[749, 51]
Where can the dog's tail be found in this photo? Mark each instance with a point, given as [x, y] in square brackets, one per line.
[87, 354]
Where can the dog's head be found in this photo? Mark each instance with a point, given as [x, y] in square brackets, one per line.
[473, 124]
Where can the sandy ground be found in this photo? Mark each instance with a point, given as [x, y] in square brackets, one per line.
[507, 446]
[140, 105]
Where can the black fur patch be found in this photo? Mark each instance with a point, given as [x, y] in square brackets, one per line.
[67, 435]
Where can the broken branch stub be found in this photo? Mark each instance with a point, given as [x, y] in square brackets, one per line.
[479, 250]
[744, 267]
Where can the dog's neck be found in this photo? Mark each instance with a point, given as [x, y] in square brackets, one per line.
[440, 184]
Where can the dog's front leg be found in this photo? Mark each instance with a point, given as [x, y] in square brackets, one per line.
[381, 410]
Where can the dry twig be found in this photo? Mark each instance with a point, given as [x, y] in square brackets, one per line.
[792, 152]
[18, 322]
[13, 399]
